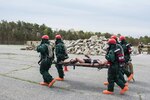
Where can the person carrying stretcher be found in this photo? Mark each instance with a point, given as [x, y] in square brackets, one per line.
[114, 57]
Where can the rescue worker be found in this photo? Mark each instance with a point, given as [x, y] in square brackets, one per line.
[61, 55]
[140, 46]
[121, 74]
[148, 49]
[45, 61]
[127, 52]
[113, 70]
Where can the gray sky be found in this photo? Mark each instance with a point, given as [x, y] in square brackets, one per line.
[128, 17]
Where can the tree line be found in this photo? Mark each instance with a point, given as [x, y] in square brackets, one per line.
[19, 32]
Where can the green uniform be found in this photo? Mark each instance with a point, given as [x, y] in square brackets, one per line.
[121, 72]
[45, 61]
[113, 70]
[121, 69]
[61, 55]
[127, 57]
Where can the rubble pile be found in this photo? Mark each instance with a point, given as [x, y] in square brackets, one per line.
[91, 46]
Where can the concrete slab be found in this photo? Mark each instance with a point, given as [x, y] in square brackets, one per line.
[19, 77]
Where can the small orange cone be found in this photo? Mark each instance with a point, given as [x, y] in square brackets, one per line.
[66, 68]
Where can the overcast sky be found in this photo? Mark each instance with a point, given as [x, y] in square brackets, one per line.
[128, 17]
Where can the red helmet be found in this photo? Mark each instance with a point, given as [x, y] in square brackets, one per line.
[45, 37]
[58, 36]
[111, 41]
[122, 38]
[114, 37]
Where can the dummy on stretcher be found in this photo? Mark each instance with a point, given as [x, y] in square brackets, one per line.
[88, 62]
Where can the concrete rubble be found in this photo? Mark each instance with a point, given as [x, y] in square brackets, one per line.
[93, 46]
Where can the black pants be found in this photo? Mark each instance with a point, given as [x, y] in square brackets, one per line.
[113, 77]
[44, 67]
[60, 69]
[121, 75]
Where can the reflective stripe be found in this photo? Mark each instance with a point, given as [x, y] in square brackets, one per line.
[117, 50]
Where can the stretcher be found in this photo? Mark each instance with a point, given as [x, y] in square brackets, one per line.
[90, 65]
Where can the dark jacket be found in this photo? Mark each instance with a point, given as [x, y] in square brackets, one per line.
[42, 48]
[60, 50]
[125, 48]
[111, 56]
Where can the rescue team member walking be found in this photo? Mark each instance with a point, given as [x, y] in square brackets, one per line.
[127, 54]
[121, 62]
[45, 62]
[61, 55]
[113, 70]
[122, 65]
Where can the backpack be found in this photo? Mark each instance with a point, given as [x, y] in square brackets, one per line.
[50, 51]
